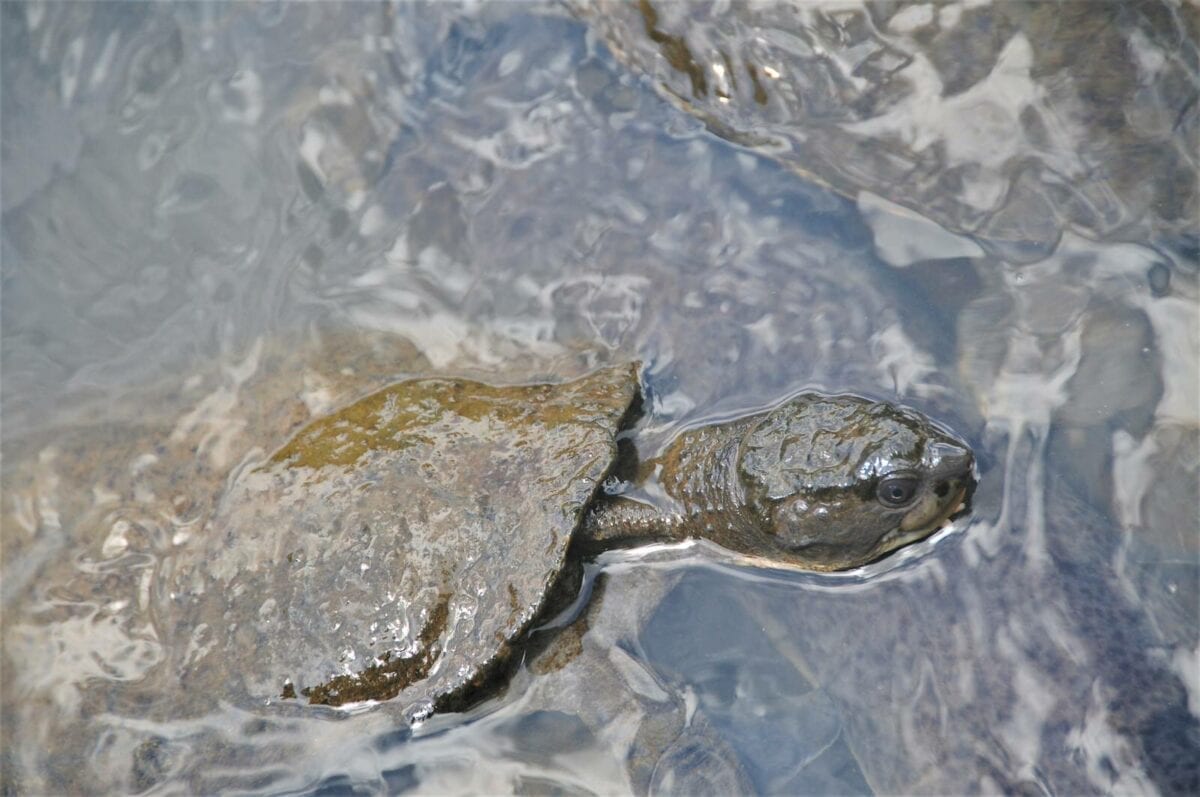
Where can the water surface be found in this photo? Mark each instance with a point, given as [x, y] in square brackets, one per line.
[987, 212]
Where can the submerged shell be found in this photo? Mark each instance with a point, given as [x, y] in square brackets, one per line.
[395, 547]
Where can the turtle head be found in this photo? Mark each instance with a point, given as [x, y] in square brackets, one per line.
[839, 481]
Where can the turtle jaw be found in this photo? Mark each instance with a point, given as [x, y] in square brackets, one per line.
[907, 533]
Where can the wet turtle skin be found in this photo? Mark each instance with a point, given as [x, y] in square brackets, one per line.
[821, 482]
[406, 541]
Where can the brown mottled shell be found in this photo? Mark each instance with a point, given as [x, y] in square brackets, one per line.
[395, 548]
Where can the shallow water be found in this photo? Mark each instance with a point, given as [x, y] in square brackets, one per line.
[988, 213]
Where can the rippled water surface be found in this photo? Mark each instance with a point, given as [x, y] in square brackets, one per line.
[219, 220]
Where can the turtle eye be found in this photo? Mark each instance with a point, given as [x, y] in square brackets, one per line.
[897, 491]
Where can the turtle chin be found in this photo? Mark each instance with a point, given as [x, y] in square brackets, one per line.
[824, 557]
[898, 538]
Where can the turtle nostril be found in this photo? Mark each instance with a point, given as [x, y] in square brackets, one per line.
[942, 489]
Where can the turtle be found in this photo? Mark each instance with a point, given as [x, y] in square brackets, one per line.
[309, 536]
[303, 534]
[400, 546]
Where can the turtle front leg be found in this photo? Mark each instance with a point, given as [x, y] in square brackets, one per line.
[619, 522]
[695, 488]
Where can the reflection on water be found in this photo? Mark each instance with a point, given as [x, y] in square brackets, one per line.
[987, 211]
[1014, 121]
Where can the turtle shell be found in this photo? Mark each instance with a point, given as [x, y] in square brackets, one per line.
[396, 547]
